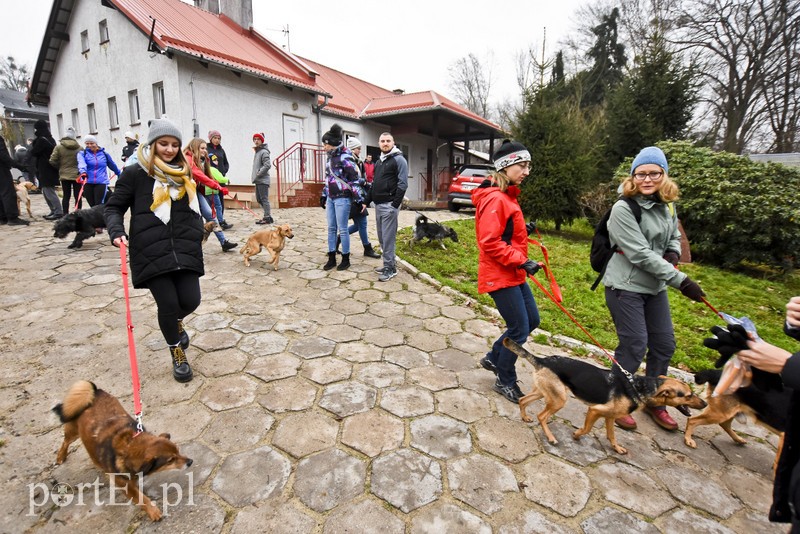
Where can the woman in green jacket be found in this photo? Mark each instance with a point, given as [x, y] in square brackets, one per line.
[65, 159]
[638, 275]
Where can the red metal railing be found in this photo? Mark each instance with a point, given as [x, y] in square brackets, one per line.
[300, 163]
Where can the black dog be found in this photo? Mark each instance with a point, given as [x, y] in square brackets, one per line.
[433, 231]
[83, 222]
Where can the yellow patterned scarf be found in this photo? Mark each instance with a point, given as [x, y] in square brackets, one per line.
[172, 182]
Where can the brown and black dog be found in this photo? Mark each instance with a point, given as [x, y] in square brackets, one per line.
[607, 395]
[273, 240]
[768, 408]
[111, 439]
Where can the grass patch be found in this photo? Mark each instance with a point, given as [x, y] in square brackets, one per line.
[759, 297]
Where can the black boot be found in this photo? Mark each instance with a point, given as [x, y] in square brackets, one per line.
[369, 252]
[184, 342]
[181, 371]
[345, 262]
[331, 261]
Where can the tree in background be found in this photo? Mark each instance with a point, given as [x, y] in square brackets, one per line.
[608, 61]
[471, 83]
[13, 76]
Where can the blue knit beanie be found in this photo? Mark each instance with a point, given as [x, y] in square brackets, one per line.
[651, 154]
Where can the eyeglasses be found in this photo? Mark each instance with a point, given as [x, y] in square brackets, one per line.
[654, 176]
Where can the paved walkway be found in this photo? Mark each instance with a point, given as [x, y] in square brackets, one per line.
[326, 402]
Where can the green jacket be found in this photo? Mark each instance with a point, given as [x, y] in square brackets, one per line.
[65, 158]
[216, 175]
[641, 267]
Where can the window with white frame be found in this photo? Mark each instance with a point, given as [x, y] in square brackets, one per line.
[133, 105]
[75, 122]
[158, 100]
[60, 125]
[85, 41]
[103, 31]
[113, 116]
[92, 118]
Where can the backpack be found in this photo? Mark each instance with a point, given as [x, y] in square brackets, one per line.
[602, 251]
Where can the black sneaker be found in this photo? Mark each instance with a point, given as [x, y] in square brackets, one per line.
[18, 222]
[227, 245]
[261, 221]
[511, 393]
[225, 226]
[268, 219]
[487, 364]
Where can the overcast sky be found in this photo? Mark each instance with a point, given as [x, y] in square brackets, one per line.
[407, 45]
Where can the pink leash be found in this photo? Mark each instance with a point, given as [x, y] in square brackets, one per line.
[137, 401]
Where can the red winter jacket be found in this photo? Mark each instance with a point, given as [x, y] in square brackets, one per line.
[198, 174]
[502, 237]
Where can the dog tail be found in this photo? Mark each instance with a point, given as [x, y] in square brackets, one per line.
[709, 376]
[79, 397]
[519, 350]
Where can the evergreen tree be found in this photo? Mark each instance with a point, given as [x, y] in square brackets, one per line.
[608, 61]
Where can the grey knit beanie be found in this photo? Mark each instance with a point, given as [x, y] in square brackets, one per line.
[160, 128]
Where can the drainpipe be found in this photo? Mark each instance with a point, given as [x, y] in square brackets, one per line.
[195, 125]
[317, 109]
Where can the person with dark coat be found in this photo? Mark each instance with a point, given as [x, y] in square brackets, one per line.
[165, 233]
[786, 490]
[65, 159]
[42, 148]
[218, 160]
[131, 144]
[9, 214]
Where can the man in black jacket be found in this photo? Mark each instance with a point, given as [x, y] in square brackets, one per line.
[387, 192]
[9, 214]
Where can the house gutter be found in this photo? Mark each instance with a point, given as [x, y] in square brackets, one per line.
[318, 110]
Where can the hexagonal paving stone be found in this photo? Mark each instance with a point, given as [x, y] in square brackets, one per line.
[326, 370]
[325, 480]
[184, 422]
[445, 517]
[697, 490]
[249, 324]
[208, 321]
[483, 328]
[351, 306]
[427, 341]
[459, 313]
[481, 482]
[443, 326]
[381, 375]
[235, 430]
[512, 441]
[406, 479]
[682, 521]
[340, 333]
[469, 343]
[277, 517]
[288, 395]
[369, 296]
[263, 343]
[541, 487]
[336, 295]
[305, 433]
[220, 363]
[753, 490]
[358, 352]
[229, 392]
[440, 436]
[584, 451]
[384, 337]
[611, 520]
[407, 402]
[273, 367]
[370, 516]
[433, 378]
[406, 357]
[453, 360]
[624, 485]
[251, 476]
[312, 347]
[347, 398]
[463, 405]
[203, 510]
[216, 340]
[405, 324]
[373, 432]
[365, 321]
[383, 308]
[404, 297]
[532, 522]
[422, 310]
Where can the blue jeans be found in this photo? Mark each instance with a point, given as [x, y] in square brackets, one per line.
[205, 211]
[518, 308]
[337, 210]
[220, 209]
[360, 225]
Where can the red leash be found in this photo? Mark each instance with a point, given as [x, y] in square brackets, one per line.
[137, 401]
[243, 206]
[80, 195]
[555, 290]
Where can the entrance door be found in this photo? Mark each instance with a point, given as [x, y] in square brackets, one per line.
[292, 131]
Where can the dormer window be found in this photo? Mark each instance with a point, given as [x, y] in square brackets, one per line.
[103, 31]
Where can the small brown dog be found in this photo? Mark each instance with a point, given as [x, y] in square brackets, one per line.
[273, 240]
[111, 439]
[608, 395]
[208, 228]
[22, 189]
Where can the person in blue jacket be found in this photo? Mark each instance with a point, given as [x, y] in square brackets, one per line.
[93, 165]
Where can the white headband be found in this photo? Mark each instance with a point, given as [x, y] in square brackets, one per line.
[510, 159]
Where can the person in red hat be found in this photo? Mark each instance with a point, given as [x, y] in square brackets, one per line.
[260, 176]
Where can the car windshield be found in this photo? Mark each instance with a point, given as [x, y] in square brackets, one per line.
[474, 173]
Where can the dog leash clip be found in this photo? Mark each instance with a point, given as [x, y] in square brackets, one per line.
[139, 425]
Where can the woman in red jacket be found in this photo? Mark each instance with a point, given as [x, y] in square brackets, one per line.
[196, 153]
[503, 264]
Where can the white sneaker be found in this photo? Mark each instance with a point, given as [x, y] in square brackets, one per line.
[387, 275]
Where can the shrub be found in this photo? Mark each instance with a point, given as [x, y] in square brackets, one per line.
[735, 211]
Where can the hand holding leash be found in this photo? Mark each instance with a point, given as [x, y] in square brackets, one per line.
[530, 267]
[692, 289]
[81, 179]
[224, 191]
[121, 240]
[530, 227]
[673, 257]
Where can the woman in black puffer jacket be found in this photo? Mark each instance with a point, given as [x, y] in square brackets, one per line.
[165, 232]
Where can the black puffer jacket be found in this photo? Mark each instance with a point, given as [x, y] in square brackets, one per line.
[41, 149]
[155, 248]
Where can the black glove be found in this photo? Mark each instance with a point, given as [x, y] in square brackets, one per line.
[672, 257]
[791, 331]
[727, 342]
[691, 289]
[530, 227]
[530, 267]
[322, 201]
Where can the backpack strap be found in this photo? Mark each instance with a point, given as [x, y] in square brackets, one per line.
[637, 214]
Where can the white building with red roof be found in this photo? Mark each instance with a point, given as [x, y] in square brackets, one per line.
[109, 66]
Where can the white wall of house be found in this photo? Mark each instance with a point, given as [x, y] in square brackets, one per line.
[108, 70]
